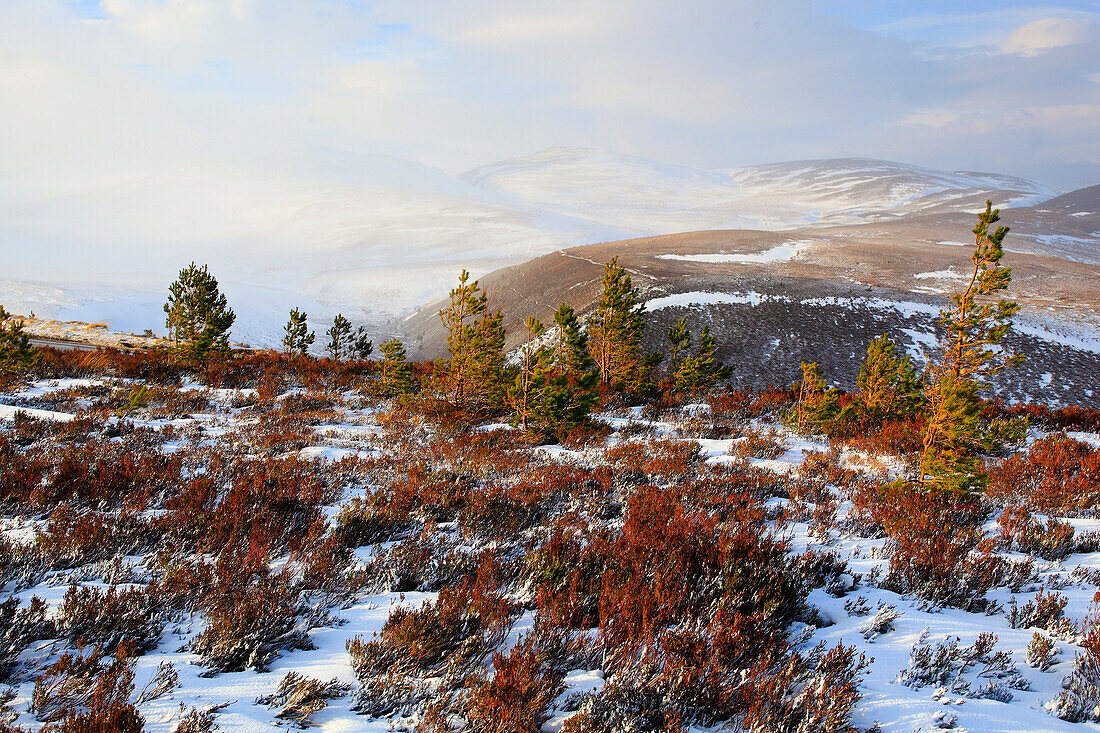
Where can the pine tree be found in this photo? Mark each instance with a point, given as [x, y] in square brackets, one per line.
[949, 460]
[888, 386]
[472, 376]
[571, 353]
[615, 332]
[396, 373]
[701, 372]
[361, 346]
[17, 356]
[298, 337]
[679, 339]
[817, 402]
[566, 381]
[531, 375]
[339, 338]
[971, 341]
[198, 316]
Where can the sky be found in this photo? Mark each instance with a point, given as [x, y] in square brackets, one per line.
[309, 149]
[98, 92]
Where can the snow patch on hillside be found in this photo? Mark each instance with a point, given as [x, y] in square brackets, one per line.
[780, 253]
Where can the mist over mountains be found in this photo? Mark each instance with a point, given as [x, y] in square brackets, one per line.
[377, 236]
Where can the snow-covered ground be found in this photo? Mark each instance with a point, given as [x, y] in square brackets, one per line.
[780, 253]
[886, 700]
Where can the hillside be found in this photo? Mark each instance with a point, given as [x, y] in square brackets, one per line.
[774, 299]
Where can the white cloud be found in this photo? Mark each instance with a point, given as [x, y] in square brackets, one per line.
[930, 118]
[1045, 34]
[564, 24]
[187, 84]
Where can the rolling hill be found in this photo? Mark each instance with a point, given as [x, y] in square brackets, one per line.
[821, 293]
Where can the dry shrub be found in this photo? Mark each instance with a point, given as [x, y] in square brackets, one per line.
[745, 404]
[945, 665]
[1040, 652]
[525, 682]
[733, 483]
[72, 538]
[370, 520]
[1042, 612]
[486, 454]
[427, 562]
[624, 705]
[276, 432]
[1050, 540]
[1057, 474]
[1073, 417]
[447, 639]
[662, 460]
[937, 551]
[251, 614]
[106, 619]
[1079, 700]
[87, 692]
[21, 626]
[689, 604]
[154, 367]
[298, 697]
[815, 693]
[275, 500]
[163, 681]
[502, 511]
[757, 443]
[188, 514]
[565, 574]
[96, 474]
[888, 437]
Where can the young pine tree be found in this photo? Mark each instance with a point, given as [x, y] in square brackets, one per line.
[679, 340]
[339, 338]
[817, 402]
[472, 376]
[17, 356]
[567, 380]
[972, 328]
[571, 352]
[888, 386]
[198, 316]
[531, 376]
[615, 332]
[361, 346]
[700, 372]
[396, 375]
[298, 338]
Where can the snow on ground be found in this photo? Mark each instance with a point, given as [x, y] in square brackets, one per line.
[947, 274]
[780, 253]
[896, 708]
[681, 300]
[8, 412]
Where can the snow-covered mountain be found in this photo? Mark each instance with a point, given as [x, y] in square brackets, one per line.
[645, 198]
[375, 236]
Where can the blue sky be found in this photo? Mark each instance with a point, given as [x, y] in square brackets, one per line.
[98, 92]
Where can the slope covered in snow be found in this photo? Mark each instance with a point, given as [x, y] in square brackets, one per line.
[647, 198]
